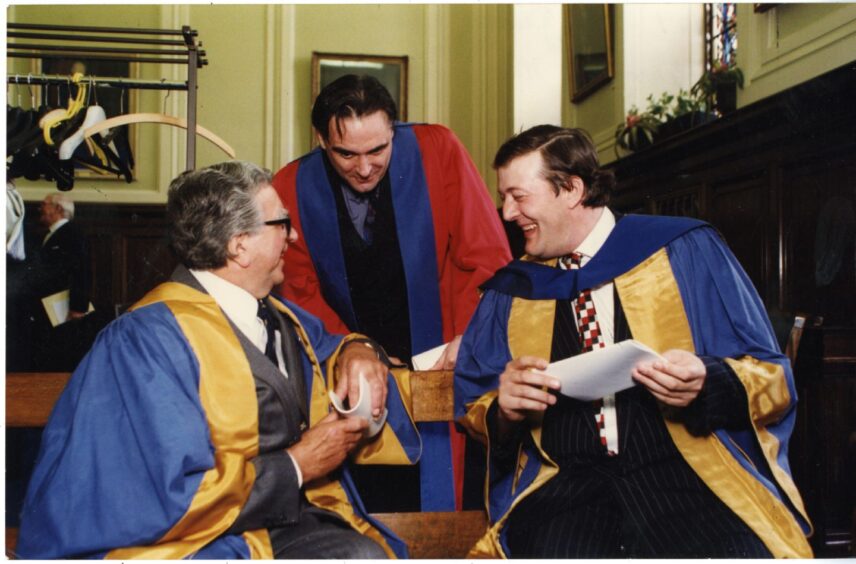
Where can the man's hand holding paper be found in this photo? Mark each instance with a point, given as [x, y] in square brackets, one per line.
[675, 377]
[675, 380]
[601, 372]
[523, 388]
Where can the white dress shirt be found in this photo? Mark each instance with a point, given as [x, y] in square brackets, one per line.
[602, 296]
[241, 307]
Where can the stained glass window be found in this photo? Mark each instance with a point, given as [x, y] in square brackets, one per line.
[720, 35]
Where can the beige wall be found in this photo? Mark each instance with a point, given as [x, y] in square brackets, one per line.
[780, 48]
[255, 92]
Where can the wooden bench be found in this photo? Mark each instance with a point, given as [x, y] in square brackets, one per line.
[30, 398]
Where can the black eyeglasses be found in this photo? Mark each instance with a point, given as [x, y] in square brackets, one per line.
[284, 221]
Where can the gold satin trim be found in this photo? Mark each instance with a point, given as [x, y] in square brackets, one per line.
[530, 330]
[650, 290]
[766, 387]
[259, 543]
[769, 397]
[656, 316]
[747, 497]
[325, 493]
[489, 546]
[231, 409]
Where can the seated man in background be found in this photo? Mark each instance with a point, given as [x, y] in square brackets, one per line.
[199, 424]
[398, 232]
[692, 461]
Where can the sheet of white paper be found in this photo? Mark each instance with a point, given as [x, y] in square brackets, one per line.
[601, 372]
[425, 360]
[362, 409]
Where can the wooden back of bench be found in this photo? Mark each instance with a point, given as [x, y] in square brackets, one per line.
[30, 397]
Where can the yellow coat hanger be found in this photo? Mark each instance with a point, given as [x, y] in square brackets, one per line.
[74, 107]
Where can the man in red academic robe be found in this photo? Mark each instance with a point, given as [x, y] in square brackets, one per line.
[397, 233]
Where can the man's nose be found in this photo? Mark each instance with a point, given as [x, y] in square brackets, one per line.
[364, 166]
[292, 236]
[509, 209]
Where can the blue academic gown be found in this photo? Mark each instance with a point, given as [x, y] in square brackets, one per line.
[680, 287]
[148, 452]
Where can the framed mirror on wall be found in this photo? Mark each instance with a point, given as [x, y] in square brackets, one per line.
[389, 70]
[590, 52]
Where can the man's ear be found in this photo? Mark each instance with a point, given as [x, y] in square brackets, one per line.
[576, 190]
[238, 251]
[319, 138]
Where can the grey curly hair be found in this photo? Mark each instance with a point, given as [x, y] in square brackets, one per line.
[207, 207]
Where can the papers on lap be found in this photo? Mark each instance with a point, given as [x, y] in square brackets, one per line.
[601, 372]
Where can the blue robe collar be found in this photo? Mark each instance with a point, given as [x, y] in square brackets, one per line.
[634, 238]
[414, 222]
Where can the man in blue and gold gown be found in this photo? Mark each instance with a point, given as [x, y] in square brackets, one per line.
[199, 424]
[689, 462]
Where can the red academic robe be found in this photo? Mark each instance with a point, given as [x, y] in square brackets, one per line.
[451, 241]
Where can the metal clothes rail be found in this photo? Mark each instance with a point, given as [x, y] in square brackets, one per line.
[65, 42]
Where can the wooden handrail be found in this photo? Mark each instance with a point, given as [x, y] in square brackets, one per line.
[432, 396]
[30, 396]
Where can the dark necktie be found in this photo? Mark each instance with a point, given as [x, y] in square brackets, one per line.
[371, 212]
[264, 313]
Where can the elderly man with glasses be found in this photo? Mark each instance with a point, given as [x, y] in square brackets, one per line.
[199, 425]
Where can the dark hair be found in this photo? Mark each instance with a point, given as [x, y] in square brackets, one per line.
[351, 96]
[565, 152]
[207, 207]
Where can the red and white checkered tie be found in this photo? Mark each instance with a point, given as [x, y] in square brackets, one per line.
[591, 338]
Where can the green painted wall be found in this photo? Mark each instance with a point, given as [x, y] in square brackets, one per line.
[231, 87]
[379, 29]
[255, 93]
[792, 43]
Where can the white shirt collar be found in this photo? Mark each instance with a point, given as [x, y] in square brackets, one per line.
[57, 224]
[238, 304]
[597, 236]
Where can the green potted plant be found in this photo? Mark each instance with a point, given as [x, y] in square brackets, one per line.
[661, 108]
[720, 85]
[637, 131]
[685, 112]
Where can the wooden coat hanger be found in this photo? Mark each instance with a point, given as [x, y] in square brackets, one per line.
[126, 119]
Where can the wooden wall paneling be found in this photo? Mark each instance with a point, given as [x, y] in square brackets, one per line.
[738, 210]
[820, 217]
[101, 245]
[128, 248]
[152, 264]
[823, 447]
[683, 202]
[776, 178]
